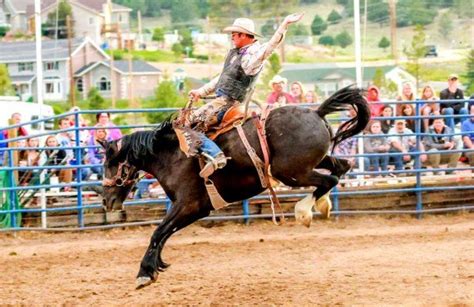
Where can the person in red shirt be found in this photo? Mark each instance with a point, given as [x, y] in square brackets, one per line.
[373, 98]
[279, 96]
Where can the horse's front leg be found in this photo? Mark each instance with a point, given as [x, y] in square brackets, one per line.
[180, 216]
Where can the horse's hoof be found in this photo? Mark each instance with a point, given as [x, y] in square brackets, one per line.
[303, 213]
[143, 281]
[305, 220]
[324, 206]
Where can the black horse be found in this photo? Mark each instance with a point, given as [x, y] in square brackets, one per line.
[298, 138]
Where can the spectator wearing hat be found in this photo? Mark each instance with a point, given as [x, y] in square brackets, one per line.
[297, 91]
[278, 95]
[440, 139]
[402, 140]
[467, 129]
[448, 108]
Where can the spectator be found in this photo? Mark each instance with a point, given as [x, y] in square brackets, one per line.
[402, 140]
[430, 106]
[55, 157]
[450, 109]
[348, 148]
[96, 155]
[387, 124]
[297, 92]
[441, 138]
[103, 119]
[310, 97]
[28, 157]
[407, 94]
[376, 107]
[21, 131]
[278, 96]
[408, 111]
[83, 133]
[377, 144]
[467, 129]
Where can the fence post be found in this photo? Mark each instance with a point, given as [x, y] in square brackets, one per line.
[419, 199]
[335, 201]
[246, 212]
[168, 205]
[80, 210]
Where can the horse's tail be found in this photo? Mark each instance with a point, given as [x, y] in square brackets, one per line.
[343, 100]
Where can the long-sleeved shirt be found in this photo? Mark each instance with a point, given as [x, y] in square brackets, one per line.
[252, 60]
[437, 141]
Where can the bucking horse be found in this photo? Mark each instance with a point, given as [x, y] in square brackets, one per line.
[299, 140]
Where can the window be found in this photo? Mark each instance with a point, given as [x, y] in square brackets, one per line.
[25, 66]
[103, 85]
[120, 18]
[49, 88]
[51, 66]
[80, 85]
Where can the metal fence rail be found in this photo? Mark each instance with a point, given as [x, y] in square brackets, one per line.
[12, 209]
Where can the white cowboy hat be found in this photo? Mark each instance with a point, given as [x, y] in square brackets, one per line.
[242, 25]
[277, 79]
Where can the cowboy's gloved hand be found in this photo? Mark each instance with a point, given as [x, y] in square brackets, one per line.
[194, 95]
[293, 18]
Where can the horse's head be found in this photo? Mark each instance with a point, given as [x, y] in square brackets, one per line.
[119, 175]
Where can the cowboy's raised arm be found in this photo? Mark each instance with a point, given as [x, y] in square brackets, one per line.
[252, 63]
[204, 90]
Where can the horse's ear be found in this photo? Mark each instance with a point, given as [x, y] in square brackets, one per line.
[102, 143]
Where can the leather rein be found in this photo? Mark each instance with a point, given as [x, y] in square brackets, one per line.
[122, 178]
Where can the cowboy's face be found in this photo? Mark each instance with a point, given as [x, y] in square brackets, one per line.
[239, 39]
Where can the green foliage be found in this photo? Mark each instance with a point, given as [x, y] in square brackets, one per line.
[271, 68]
[268, 28]
[187, 41]
[177, 49]
[275, 63]
[63, 10]
[470, 73]
[158, 35]
[145, 55]
[326, 40]
[309, 1]
[463, 8]
[152, 8]
[445, 25]
[334, 17]
[96, 101]
[318, 26]
[384, 43]
[4, 30]
[166, 96]
[411, 12]
[297, 30]
[183, 11]
[377, 11]
[5, 82]
[343, 39]
[379, 78]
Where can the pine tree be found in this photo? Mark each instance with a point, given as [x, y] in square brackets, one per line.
[343, 39]
[318, 26]
[166, 96]
[334, 17]
[384, 43]
[96, 101]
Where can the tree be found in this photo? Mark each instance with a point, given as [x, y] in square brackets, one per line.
[379, 78]
[96, 101]
[177, 49]
[187, 41]
[5, 82]
[326, 40]
[343, 39]
[158, 35]
[268, 28]
[271, 68]
[334, 17]
[183, 11]
[411, 12]
[297, 30]
[63, 10]
[445, 25]
[470, 73]
[384, 43]
[166, 96]
[152, 8]
[415, 52]
[318, 26]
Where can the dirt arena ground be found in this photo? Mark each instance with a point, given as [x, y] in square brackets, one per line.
[361, 261]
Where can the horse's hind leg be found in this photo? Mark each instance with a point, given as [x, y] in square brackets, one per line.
[179, 217]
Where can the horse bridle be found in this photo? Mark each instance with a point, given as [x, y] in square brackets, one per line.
[122, 178]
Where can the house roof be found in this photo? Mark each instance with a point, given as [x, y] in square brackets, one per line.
[93, 5]
[20, 5]
[138, 67]
[25, 51]
[22, 79]
[318, 74]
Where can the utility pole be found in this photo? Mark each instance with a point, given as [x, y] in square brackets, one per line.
[140, 35]
[392, 5]
[108, 25]
[72, 96]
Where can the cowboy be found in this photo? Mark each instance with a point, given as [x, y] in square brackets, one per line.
[241, 68]
[278, 95]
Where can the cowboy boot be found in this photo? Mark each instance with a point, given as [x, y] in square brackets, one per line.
[213, 164]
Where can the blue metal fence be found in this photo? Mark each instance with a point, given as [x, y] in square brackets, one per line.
[14, 208]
